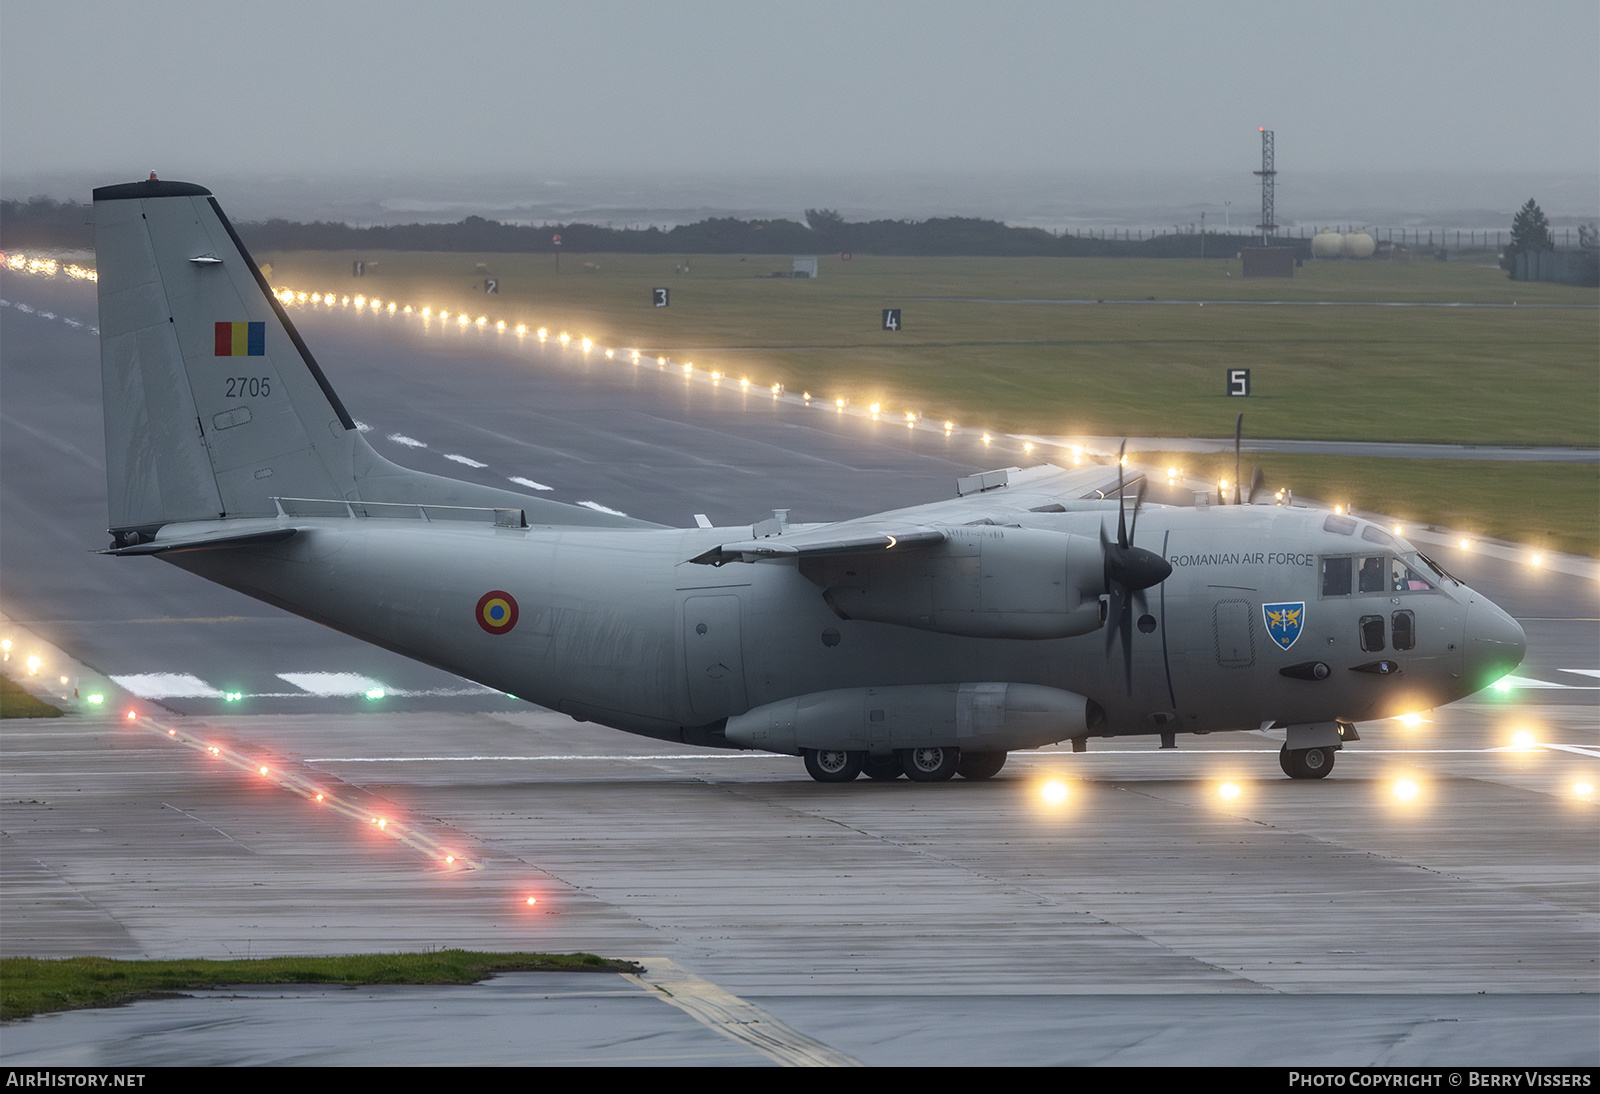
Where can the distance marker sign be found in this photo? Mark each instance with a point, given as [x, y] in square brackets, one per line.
[891, 318]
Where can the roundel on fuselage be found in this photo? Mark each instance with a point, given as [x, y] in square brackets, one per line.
[497, 611]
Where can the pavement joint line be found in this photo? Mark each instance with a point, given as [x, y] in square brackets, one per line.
[928, 853]
[735, 1018]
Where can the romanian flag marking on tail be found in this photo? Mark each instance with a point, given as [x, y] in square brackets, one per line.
[241, 340]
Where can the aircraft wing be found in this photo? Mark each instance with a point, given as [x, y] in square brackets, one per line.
[993, 497]
[849, 537]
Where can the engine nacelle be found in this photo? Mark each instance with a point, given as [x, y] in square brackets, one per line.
[981, 717]
[983, 582]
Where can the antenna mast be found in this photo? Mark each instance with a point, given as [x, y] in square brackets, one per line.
[1268, 225]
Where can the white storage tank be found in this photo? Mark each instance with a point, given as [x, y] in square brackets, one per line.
[1327, 244]
[1359, 244]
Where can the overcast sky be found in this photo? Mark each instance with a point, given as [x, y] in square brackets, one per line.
[488, 86]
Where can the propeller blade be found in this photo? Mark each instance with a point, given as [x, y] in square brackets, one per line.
[1122, 517]
[1138, 500]
[1238, 435]
[1114, 615]
[1258, 479]
[1127, 644]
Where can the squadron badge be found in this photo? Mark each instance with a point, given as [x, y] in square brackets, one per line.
[1284, 622]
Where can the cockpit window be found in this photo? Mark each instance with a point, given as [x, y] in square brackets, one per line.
[1373, 534]
[1407, 578]
[1377, 575]
[1373, 577]
[1430, 569]
[1345, 526]
[1336, 576]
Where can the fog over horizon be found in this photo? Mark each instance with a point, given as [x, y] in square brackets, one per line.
[1044, 115]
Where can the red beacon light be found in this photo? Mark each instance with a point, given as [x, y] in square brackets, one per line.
[152, 176]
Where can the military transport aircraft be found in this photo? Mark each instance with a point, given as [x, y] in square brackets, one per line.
[1034, 607]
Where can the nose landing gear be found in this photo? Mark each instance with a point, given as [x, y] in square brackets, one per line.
[1306, 763]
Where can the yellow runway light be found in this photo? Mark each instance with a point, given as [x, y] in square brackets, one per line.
[1053, 792]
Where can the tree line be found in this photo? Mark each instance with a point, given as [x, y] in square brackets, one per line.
[45, 223]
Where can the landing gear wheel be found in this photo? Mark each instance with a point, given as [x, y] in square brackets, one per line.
[980, 765]
[929, 765]
[832, 765]
[1306, 763]
[884, 770]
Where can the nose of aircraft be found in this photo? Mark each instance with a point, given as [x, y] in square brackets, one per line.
[1495, 644]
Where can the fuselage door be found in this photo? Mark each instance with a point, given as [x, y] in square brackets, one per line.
[713, 657]
[1233, 622]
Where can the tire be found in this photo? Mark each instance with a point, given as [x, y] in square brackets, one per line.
[832, 765]
[980, 765]
[883, 771]
[929, 764]
[1306, 763]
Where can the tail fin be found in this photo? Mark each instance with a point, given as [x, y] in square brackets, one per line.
[213, 403]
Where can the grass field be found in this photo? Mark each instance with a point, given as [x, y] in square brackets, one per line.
[1023, 345]
[15, 702]
[30, 986]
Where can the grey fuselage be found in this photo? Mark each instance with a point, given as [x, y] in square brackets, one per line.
[617, 626]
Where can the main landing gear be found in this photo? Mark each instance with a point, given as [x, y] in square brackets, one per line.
[1306, 763]
[923, 765]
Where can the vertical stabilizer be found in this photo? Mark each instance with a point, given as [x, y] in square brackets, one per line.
[212, 403]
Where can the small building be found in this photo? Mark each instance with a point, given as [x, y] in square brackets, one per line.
[1268, 261]
[805, 266]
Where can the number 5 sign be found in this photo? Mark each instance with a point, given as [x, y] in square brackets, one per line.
[1238, 382]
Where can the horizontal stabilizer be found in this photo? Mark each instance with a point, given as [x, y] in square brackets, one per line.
[215, 542]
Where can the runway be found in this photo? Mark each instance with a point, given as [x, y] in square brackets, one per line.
[1147, 919]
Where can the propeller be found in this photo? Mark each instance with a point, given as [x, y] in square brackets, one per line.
[1129, 570]
[1257, 476]
[1238, 434]
[1258, 479]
